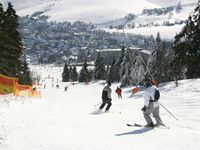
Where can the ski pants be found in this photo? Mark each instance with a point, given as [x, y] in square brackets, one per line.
[152, 110]
[119, 95]
[104, 103]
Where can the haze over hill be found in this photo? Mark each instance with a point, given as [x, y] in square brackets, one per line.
[96, 11]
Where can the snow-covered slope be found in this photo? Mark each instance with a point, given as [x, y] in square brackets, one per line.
[112, 13]
[164, 3]
[97, 10]
[87, 10]
[152, 23]
[64, 120]
[166, 33]
[28, 7]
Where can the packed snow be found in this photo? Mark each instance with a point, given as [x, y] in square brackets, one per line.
[65, 120]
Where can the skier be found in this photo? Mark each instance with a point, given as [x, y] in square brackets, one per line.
[66, 87]
[45, 86]
[106, 97]
[119, 92]
[150, 105]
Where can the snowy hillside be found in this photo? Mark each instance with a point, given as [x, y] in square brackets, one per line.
[97, 11]
[165, 3]
[29, 7]
[65, 120]
[113, 14]
[87, 10]
[147, 31]
[151, 21]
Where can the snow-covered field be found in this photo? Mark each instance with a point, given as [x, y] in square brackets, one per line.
[64, 120]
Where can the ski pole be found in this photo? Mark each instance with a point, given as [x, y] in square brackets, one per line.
[168, 111]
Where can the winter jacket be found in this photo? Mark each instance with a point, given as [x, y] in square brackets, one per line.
[106, 94]
[118, 91]
[149, 95]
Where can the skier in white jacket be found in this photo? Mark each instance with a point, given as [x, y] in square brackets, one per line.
[151, 106]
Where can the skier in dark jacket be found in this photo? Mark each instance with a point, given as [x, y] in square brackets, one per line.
[106, 97]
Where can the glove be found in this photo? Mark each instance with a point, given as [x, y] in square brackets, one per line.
[143, 108]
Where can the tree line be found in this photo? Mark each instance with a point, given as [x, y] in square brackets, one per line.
[163, 11]
[11, 49]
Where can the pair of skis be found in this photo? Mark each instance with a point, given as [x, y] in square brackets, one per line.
[143, 126]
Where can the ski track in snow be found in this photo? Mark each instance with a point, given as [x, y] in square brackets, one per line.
[64, 121]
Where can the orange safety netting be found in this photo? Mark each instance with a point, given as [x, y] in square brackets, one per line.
[25, 90]
[10, 85]
[135, 90]
[154, 82]
[22, 90]
[7, 84]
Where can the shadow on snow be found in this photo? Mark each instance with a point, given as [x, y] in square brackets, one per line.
[139, 131]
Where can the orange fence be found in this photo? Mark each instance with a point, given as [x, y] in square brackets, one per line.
[10, 85]
[135, 90]
[7, 84]
[154, 82]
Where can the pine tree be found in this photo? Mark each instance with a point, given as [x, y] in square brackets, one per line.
[187, 47]
[12, 42]
[138, 70]
[125, 70]
[99, 70]
[74, 74]
[1, 17]
[11, 47]
[168, 58]
[117, 65]
[4, 44]
[10, 26]
[193, 70]
[70, 73]
[107, 70]
[157, 60]
[179, 7]
[84, 75]
[25, 77]
[65, 74]
[132, 68]
[111, 75]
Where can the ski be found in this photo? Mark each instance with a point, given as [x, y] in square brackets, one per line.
[135, 125]
[141, 125]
